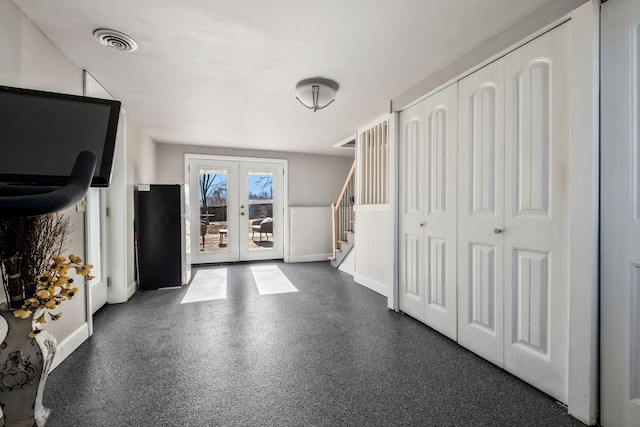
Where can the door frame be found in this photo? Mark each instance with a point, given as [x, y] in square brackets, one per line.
[620, 225]
[285, 197]
[96, 247]
[584, 178]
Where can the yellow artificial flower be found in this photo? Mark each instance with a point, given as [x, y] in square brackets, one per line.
[22, 313]
[58, 260]
[52, 287]
[44, 294]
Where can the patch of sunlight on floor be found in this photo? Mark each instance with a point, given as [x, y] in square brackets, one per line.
[271, 280]
[207, 285]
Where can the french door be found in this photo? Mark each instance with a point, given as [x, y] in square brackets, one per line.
[620, 214]
[237, 209]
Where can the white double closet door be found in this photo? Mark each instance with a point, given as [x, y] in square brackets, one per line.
[427, 213]
[497, 251]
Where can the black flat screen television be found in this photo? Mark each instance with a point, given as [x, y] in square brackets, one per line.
[41, 134]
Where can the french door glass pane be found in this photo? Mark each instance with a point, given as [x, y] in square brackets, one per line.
[260, 196]
[213, 210]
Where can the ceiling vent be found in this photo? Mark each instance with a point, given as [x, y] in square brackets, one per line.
[115, 40]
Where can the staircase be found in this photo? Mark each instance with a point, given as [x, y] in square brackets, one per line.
[343, 221]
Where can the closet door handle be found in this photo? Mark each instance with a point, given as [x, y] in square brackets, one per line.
[497, 230]
[421, 224]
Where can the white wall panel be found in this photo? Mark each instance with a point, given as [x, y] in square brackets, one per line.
[309, 234]
[374, 257]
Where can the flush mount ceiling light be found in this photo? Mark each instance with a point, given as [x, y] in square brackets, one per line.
[115, 40]
[317, 93]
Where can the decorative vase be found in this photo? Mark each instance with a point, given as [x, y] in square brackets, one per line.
[24, 366]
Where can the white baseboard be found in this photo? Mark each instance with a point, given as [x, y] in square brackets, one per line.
[308, 258]
[347, 268]
[371, 284]
[70, 344]
[131, 289]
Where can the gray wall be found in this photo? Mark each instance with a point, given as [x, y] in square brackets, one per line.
[314, 179]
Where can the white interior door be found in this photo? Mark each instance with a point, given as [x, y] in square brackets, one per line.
[481, 212]
[620, 214]
[536, 219]
[237, 209]
[428, 211]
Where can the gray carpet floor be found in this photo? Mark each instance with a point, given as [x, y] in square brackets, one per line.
[330, 354]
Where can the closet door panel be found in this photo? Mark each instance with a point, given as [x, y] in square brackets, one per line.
[412, 245]
[537, 225]
[441, 137]
[481, 212]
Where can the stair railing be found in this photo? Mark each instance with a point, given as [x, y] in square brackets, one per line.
[342, 211]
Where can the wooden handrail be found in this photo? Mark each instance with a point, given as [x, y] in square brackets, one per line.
[346, 184]
[339, 227]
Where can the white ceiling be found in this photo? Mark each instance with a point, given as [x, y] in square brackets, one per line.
[223, 73]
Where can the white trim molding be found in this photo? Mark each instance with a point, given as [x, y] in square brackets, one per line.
[70, 344]
[585, 196]
[374, 285]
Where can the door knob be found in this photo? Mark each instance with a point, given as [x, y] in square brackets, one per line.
[242, 213]
[497, 230]
[421, 224]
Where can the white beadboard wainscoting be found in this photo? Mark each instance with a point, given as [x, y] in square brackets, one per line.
[374, 241]
[309, 234]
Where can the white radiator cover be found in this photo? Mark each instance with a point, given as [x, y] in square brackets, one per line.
[309, 234]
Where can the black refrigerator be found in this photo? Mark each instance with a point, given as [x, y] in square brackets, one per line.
[162, 235]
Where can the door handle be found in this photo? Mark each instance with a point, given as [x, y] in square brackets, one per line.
[421, 224]
[242, 213]
[497, 230]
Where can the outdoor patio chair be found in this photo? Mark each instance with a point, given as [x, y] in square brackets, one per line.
[203, 230]
[262, 226]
